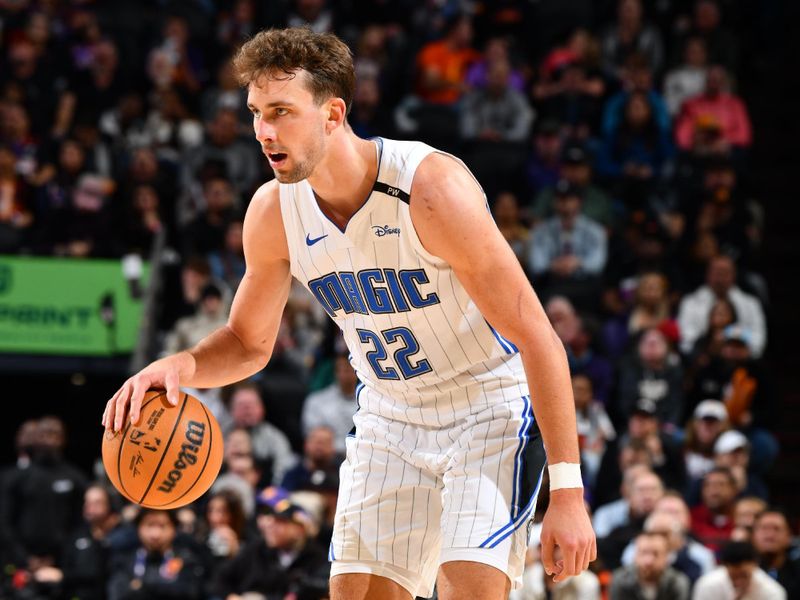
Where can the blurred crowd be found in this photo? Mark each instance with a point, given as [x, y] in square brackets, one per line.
[613, 147]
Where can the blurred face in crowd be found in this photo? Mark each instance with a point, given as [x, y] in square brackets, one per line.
[224, 129]
[651, 558]
[663, 523]
[746, 510]
[721, 275]
[345, 375]
[706, 16]
[461, 34]
[506, 209]
[637, 111]
[735, 352]
[71, 157]
[568, 206]
[238, 444]
[219, 195]
[653, 347]
[716, 81]
[694, 54]
[96, 506]
[319, 446]
[233, 238]
[144, 166]
[718, 493]
[217, 512]
[247, 408]
[368, 94]
[548, 145]
[145, 199]
[629, 11]
[721, 314]
[22, 59]
[156, 532]
[652, 290]
[281, 533]
[497, 77]
[642, 425]
[15, 124]
[577, 173]
[707, 429]
[771, 534]
[562, 317]
[26, 436]
[646, 490]
[582, 391]
[741, 575]
[739, 457]
[676, 508]
[51, 434]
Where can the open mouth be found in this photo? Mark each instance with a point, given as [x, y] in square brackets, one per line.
[276, 158]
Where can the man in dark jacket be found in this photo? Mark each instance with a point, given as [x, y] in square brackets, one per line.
[650, 576]
[285, 561]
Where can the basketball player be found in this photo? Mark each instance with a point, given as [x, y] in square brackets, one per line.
[394, 239]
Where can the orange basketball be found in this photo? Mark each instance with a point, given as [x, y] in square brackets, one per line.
[171, 458]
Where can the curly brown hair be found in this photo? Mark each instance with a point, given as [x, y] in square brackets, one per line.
[326, 59]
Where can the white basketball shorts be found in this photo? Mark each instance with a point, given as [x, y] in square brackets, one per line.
[412, 498]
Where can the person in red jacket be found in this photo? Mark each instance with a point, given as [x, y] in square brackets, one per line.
[712, 519]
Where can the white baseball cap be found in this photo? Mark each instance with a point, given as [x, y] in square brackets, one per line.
[711, 409]
[730, 441]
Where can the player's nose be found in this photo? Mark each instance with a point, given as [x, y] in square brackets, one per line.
[265, 133]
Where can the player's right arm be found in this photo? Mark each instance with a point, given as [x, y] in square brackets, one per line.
[244, 345]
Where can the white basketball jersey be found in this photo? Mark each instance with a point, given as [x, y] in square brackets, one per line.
[417, 340]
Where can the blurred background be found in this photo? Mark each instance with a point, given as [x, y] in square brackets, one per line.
[639, 157]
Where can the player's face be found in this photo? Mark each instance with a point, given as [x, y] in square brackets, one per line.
[289, 125]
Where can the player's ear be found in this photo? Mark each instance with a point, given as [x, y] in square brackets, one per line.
[337, 111]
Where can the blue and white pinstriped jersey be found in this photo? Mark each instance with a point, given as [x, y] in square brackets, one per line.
[417, 340]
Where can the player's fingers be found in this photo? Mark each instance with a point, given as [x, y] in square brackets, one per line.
[137, 395]
[587, 552]
[547, 555]
[120, 405]
[172, 382]
[108, 413]
[569, 555]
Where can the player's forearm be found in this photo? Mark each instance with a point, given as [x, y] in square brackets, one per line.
[219, 359]
[547, 371]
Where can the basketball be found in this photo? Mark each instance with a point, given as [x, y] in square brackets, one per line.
[170, 458]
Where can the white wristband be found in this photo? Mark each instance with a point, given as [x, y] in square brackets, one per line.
[565, 475]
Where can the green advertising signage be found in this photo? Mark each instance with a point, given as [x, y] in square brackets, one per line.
[68, 306]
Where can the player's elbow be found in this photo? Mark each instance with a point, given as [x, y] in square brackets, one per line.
[541, 338]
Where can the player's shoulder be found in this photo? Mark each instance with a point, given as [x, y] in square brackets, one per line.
[263, 223]
[441, 179]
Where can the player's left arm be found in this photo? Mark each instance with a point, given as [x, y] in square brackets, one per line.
[451, 219]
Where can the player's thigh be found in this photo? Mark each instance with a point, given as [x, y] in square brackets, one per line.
[466, 579]
[362, 586]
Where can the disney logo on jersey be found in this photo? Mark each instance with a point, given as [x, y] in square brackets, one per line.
[381, 231]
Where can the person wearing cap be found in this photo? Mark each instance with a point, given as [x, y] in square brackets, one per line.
[568, 247]
[284, 560]
[709, 420]
[712, 519]
[576, 168]
[732, 450]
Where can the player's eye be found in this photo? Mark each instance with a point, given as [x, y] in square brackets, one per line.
[281, 111]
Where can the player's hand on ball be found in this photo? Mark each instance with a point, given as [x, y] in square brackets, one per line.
[162, 374]
[568, 541]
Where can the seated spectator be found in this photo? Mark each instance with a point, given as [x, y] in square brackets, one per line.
[636, 153]
[676, 533]
[673, 506]
[772, 540]
[715, 121]
[496, 49]
[210, 316]
[335, 405]
[227, 263]
[568, 247]
[646, 490]
[15, 209]
[594, 427]
[442, 65]
[240, 473]
[654, 375]
[707, 24]
[739, 577]
[630, 33]
[225, 93]
[157, 567]
[709, 420]
[650, 576]
[651, 304]
[369, 116]
[616, 513]
[693, 314]
[708, 346]
[543, 168]
[206, 233]
[224, 529]
[320, 461]
[572, 98]
[576, 168]
[495, 122]
[40, 504]
[86, 230]
[284, 561]
[712, 519]
[687, 79]
[732, 450]
[745, 511]
[142, 221]
[271, 449]
[506, 213]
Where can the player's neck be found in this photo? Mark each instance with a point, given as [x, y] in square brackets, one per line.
[344, 178]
